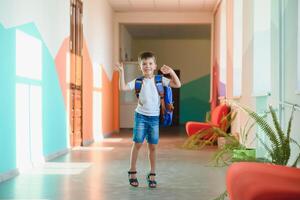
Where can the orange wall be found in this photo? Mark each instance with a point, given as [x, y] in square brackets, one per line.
[107, 104]
[110, 119]
[115, 83]
[87, 95]
[110, 93]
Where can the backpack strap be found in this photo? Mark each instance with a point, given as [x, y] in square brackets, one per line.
[159, 86]
[138, 85]
[161, 93]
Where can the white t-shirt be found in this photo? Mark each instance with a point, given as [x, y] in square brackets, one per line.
[149, 100]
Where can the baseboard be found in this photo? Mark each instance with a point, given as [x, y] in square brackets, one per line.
[106, 135]
[8, 175]
[57, 154]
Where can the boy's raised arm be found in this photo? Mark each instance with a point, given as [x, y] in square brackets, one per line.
[123, 86]
[175, 82]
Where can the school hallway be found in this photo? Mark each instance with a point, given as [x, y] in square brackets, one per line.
[99, 171]
[65, 123]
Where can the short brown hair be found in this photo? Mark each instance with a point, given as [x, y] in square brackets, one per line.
[146, 55]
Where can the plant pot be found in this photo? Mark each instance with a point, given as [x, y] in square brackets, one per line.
[243, 155]
[221, 142]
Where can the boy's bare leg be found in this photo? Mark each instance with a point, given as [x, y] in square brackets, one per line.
[152, 159]
[133, 157]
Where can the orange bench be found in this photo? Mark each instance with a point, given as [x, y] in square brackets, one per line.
[217, 114]
[261, 181]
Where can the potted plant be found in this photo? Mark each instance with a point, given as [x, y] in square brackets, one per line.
[231, 150]
[234, 149]
[280, 150]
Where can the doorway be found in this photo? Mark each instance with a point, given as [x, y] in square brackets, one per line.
[184, 47]
[76, 66]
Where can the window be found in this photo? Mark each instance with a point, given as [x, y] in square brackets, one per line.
[237, 46]
[28, 56]
[223, 51]
[298, 56]
[262, 47]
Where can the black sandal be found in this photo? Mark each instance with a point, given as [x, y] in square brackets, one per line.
[151, 183]
[133, 180]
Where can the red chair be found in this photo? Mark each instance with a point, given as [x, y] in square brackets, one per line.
[261, 181]
[216, 116]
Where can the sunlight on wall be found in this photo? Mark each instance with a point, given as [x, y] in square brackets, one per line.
[35, 121]
[97, 75]
[97, 102]
[97, 116]
[22, 127]
[29, 146]
[262, 47]
[29, 140]
[28, 56]
[238, 47]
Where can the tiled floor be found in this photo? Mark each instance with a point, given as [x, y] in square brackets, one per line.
[100, 172]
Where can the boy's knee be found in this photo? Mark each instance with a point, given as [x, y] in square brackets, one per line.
[138, 145]
[151, 147]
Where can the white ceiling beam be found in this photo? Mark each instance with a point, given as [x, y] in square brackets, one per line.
[164, 17]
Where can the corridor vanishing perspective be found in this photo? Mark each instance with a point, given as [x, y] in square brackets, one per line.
[99, 171]
[67, 115]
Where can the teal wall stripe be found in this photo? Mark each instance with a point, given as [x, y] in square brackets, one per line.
[54, 112]
[7, 96]
[53, 108]
[194, 100]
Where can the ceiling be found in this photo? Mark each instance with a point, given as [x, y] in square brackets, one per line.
[169, 31]
[163, 5]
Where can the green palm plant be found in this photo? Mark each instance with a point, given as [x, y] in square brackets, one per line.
[228, 153]
[280, 148]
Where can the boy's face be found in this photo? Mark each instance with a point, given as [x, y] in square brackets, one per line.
[148, 66]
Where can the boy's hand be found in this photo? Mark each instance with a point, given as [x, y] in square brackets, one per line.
[119, 67]
[166, 69]
[175, 82]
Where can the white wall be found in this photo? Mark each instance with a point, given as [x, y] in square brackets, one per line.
[126, 44]
[289, 69]
[52, 18]
[98, 32]
[155, 18]
[190, 56]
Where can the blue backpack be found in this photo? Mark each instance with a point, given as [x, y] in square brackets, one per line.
[166, 99]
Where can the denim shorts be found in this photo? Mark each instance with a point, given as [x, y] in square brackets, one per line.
[145, 126]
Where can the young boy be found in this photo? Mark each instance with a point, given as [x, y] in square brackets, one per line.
[146, 118]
